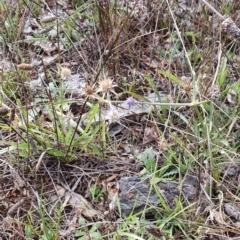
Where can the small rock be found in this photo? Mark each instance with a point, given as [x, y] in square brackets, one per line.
[135, 194]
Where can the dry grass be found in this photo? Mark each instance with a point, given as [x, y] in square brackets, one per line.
[62, 64]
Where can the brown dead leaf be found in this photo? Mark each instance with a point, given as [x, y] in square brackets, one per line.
[50, 59]
[151, 63]
[81, 205]
[113, 192]
[31, 26]
[17, 179]
[60, 191]
[16, 186]
[150, 134]
[72, 224]
[48, 47]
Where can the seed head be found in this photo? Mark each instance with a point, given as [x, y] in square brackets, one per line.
[89, 90]
[105, 85]
[48, 19]
[25, 66]
[64, 72]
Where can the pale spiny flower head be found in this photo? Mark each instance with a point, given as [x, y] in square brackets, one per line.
[106, 85]
[63, 72]
[90, 90]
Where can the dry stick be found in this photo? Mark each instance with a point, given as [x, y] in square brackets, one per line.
[15, 206]
[218, 64]
[228, 24]
[213, 9]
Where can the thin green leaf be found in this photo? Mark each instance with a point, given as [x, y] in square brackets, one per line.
[172, 77]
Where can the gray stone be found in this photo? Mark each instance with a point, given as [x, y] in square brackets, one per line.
[134, 193]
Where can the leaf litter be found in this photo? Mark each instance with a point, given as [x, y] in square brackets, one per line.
[131, 117]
